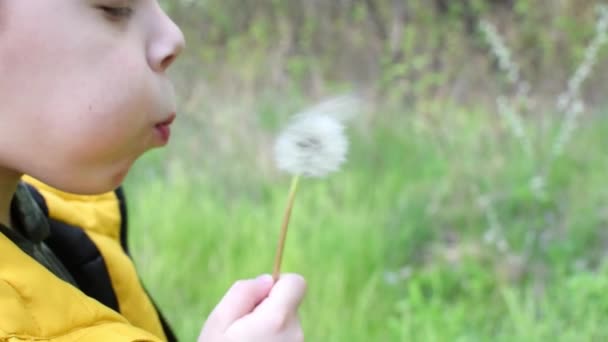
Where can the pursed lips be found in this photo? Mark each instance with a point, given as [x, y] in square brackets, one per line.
[163, 128]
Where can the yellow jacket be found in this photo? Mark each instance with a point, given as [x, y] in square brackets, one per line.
[109, 304]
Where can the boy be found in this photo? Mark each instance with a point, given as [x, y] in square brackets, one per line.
[83, 93]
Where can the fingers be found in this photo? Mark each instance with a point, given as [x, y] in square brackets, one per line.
[285, 297]
[266, 328]
[255, 310]
[240, 300]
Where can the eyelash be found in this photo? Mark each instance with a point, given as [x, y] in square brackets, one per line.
[117, 13]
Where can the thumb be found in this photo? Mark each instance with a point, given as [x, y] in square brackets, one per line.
[285, 297]
[240, 300]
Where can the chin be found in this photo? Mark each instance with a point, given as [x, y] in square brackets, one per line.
[84, 184]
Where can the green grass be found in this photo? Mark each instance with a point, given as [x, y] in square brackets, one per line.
[408, 197]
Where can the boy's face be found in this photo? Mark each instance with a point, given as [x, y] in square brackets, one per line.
[83, 88]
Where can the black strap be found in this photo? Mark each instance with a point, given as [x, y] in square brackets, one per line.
[30, 229]
[41, 253]
[83, 259]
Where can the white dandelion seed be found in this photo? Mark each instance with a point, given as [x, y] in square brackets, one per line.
[342, 108]
[314, 144]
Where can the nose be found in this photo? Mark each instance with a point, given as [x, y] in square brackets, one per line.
[166, 45]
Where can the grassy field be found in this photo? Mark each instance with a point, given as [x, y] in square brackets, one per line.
[435, 230]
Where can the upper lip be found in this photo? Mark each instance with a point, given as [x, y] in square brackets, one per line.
[167, 121]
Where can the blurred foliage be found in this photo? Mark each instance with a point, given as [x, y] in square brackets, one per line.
[406, 50]
[395, 247]
[439, 225]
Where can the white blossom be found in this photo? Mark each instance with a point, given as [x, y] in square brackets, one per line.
[314, 143]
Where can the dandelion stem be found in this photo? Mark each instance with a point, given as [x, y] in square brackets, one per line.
[281, 246]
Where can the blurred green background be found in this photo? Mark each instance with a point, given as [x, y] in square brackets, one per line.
[473, 206]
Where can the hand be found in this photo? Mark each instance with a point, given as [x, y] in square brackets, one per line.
[255, 310]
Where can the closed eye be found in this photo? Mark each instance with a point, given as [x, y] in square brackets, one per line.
[117, 12]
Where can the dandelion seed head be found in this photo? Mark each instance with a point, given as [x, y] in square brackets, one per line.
[312, 145]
